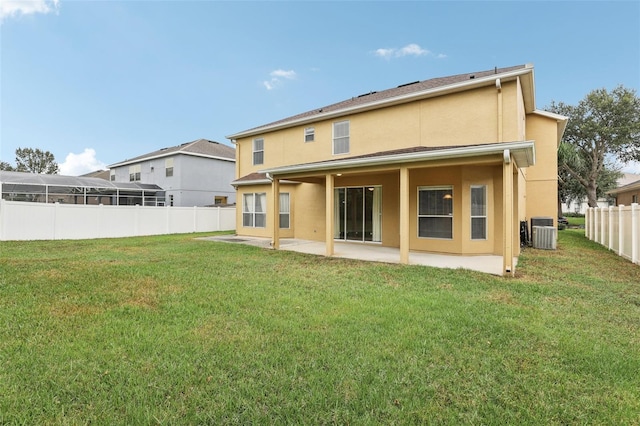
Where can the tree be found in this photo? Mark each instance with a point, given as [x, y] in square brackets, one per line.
[569, 188]
[5, 166]
[602, 126]
[35, 161]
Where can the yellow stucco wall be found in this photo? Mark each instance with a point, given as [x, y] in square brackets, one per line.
[542, 179]
[457, 119]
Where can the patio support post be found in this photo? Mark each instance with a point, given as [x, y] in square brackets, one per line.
[275, 191]
[329, 219]
[404, 215]
[507, 214]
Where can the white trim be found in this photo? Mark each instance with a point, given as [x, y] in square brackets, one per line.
[523, 152]
[549, 114]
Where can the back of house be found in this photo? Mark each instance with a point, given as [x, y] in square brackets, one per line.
[447, 165]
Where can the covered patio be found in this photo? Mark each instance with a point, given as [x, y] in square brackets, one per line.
[488, 264]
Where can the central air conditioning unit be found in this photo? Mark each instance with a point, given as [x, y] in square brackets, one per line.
[544, 237]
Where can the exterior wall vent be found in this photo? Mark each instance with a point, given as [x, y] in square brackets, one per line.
[544, 237]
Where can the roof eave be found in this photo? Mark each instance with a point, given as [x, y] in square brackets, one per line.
[528, 93]
[630, 187]
[560, 119]
[168, 154]
[523, 153]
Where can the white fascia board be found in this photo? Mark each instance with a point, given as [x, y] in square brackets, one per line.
[551, 115]
[261, 182]
[251, 182]
[524, 153]
[168, 154]
[451, 88]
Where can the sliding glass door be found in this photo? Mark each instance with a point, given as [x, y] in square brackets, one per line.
[357, 214]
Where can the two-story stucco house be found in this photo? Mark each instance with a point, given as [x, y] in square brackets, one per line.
[197, 173]
[447, 165]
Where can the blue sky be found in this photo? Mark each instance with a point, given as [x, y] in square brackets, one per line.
[97, 82]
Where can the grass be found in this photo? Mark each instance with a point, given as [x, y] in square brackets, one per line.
[174, 330]
[576, 220]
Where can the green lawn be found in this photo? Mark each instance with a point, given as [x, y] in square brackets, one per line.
[174, 330]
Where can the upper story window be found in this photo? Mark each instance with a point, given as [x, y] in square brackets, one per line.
[112, 175]
[341, 137]
[309, 134]
[134, 173]
[168, 167]
[258, 151]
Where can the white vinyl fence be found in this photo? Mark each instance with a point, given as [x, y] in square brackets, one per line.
[617, 228]
[41, 221]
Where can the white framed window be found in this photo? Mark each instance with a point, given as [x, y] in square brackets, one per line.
[341, 137]
[112, 175]
[309, 134]
[435, 212]
[478, 212]
[285, 211]
[258, 151]
[134, 173]
[168, 167]
[634, 199]
[254, 210]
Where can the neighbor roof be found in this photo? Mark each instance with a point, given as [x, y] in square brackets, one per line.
[629, 187]
[22, 178]
[197, 148]
[405, 93]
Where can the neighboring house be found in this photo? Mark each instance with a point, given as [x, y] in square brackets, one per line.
[627, 194]
[197, 173]
[42, 188]
[581, 206]
[448, 165]
[102, 174]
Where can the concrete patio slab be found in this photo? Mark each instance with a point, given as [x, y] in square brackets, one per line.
[374, 252]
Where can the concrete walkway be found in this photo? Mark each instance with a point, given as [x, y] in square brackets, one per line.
[374, 252]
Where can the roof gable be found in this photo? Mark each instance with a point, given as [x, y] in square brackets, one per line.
[198, 148]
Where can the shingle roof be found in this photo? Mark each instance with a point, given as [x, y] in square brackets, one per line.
[399, 91]
[200, 147]
[251, 177]
[628, 187]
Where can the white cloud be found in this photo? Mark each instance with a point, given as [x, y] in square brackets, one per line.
[276, 78]
[385, 53]
[79, 164]
[291, 74]
[411, 49]
[10, 8]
